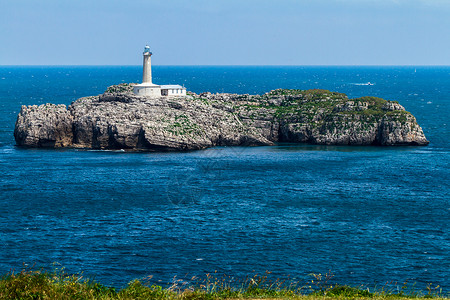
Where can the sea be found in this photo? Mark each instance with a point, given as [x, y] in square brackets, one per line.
[371, 216]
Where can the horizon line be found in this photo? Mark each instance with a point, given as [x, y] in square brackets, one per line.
[223, 65]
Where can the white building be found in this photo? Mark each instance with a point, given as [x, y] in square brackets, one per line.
[173, 90]
[147, 88]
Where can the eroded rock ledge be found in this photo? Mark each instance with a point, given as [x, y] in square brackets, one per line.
[118, 119]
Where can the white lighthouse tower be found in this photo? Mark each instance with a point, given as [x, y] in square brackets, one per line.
[147, 73]
[148, 88]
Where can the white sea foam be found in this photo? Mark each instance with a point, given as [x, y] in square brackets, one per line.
[365, 83]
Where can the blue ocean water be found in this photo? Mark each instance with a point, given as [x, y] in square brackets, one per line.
[368, 214]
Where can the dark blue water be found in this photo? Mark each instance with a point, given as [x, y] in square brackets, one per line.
[368, 214]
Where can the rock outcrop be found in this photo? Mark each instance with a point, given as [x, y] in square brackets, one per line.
[118, 119]
[47, 125]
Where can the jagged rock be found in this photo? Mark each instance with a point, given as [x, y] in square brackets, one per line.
[391, 106]
[47, 125]
[399, 132]
[119, 119]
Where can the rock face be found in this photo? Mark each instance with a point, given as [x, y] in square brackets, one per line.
[46, 125]
[118, 119]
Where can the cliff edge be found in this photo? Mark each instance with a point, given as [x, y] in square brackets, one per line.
[118, 119]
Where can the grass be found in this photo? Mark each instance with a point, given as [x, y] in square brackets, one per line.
[314, 94]
[38, 284]
[182, 125]
[120, 88]
[305, 104]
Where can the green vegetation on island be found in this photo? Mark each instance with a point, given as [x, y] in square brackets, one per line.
[314, 102]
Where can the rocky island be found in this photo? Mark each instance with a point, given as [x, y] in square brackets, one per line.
[119, 119]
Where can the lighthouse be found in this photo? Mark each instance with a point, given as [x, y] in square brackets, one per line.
[147, 72]
[148, 88]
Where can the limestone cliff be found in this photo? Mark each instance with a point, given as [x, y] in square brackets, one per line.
[118, 119]
[47, 125]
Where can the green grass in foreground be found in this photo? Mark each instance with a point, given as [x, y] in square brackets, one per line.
[35, 284]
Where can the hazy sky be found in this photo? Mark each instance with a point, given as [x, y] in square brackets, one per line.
[228, 32]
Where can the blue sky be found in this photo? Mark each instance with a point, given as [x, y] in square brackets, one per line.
[228, 32]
